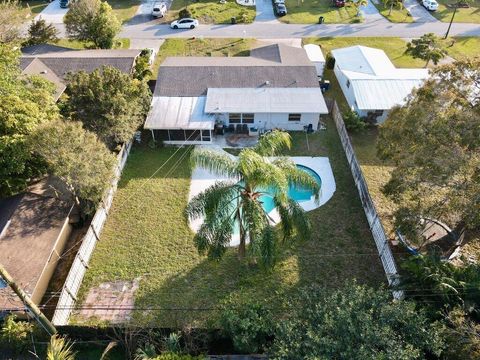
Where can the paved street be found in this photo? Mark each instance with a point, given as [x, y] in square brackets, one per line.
[259, 30]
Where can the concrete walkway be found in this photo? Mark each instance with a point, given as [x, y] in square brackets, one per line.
[265, 12]
[371, 14]
[418, 12]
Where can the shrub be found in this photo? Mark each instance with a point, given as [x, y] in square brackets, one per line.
[15, 335]
[329, 61]
[249, 325]
[184, 13]
[353, 121]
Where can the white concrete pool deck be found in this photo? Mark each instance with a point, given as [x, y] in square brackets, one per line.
[202, 179]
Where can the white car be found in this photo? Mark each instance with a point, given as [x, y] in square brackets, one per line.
[431, 5]
[159, 9]
[185, 23]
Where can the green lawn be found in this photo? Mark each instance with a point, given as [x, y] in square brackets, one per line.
[124, 10]
[461, 47]
[35, 6]
[395, 15]
[470, 15]
[393, 47]
[147, 236]
[308, 12]
[201, 47]
[212, 12]
[122, 43]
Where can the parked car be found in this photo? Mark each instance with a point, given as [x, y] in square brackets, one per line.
[159, 9]
[64, 3]
[338, 3]
[431, 5]
[185, 23]
[280, 9]
[278, 2]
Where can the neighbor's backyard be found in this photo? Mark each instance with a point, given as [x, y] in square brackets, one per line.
[147, 237]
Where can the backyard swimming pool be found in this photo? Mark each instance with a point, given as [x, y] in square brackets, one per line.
[296, 193]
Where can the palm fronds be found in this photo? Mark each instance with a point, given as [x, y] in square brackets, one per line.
[60, 348]
[273, 143]
[214, 161]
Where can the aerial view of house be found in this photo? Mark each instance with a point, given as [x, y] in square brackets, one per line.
[275, 87]
[239, 179]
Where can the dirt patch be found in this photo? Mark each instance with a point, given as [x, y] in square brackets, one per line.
[112, 302]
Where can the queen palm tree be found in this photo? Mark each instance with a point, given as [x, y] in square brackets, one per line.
[228, 204]
[358, 4]
[392, 4]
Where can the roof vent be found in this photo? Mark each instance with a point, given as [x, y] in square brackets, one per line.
[43, 72]
[267, 82]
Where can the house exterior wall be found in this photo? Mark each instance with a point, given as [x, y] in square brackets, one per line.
[52, 263]
[268, 121]
[347, 91]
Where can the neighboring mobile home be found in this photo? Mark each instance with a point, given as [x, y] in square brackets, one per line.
[275, 87]
[370, 82]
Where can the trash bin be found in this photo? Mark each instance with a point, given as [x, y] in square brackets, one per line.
[321, 19]
[233, 20]
[325, 85]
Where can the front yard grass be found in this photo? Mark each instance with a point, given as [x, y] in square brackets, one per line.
[124, 10]
[308, 12]
[147, 236]
[212, 12]
[201, 47]
[395, 15]
[468, 15]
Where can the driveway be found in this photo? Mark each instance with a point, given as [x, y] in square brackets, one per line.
[53, 13]
[371, 14]
[418, 12]
[265, 12]
[144, 12]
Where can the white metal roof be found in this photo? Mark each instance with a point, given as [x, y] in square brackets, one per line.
[179, 113]
[382, 94]
[363, 59]
[265, 100]
[314, 53]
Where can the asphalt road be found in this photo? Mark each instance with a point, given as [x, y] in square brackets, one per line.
[284, 31]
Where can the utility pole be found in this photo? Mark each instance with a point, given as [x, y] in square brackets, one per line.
[451, 20]
[44, 322]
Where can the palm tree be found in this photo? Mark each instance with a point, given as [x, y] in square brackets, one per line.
[392, 3]
[60, 348]
[228, 204]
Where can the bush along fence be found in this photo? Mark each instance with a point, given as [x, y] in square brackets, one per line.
[376, 227]
[75, 276]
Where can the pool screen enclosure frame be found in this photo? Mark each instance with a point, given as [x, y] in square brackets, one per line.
[184, 135]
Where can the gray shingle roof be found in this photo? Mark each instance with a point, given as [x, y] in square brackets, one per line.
[278, 66]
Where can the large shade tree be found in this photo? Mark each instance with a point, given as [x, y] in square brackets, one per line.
[237, 203]
[434, 143]
[25, 103]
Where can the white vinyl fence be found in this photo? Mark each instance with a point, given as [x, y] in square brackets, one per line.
[75, 276]
[376, 227]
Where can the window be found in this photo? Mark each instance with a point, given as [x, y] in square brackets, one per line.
[235, 118]
[3, 284]
[348, 83]
[247, 118]
[241, 118]
[294, 117]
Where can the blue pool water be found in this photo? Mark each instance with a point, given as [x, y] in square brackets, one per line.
[299, 194]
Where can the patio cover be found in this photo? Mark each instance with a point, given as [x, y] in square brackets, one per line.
[179, 113]
[265, 100]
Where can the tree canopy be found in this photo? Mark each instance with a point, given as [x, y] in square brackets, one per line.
[77, 157]
[434, 143]
[354, 322]
[40, 32]
[11, 18]
[229, 204]
[108, 102]
[92, 20]
[25, 103]
[427, 48]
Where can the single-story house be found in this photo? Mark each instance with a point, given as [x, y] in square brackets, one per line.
[34, 228]
[371, 83]
[53, 62]
[275, 87]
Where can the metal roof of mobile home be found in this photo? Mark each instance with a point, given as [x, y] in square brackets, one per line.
[265, 100]
[179, 113]
[377, 84]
